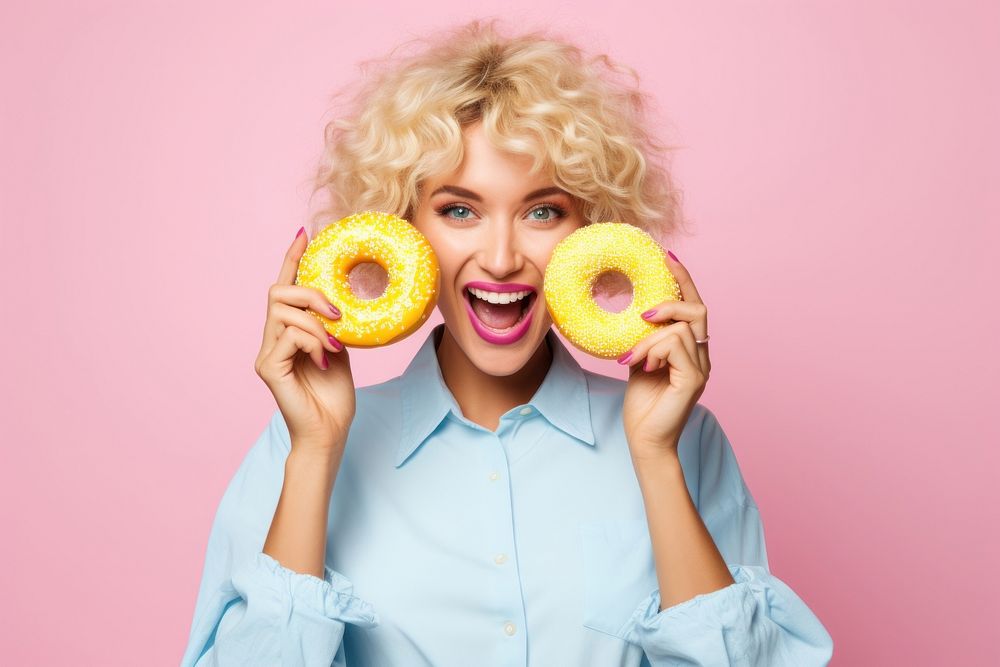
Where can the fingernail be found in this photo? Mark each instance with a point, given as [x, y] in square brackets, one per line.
[299, 233]
[673, 256]
[649, 313]
[645, 366]
[326, 364]
[625, 357]
[333, 309]
[336, 343]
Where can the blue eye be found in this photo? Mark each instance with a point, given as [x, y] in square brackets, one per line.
[558, 211]
[464, 212]
[444, 210]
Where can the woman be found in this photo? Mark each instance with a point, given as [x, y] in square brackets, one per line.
[495, 503]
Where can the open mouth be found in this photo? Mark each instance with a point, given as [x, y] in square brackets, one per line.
[500, 317]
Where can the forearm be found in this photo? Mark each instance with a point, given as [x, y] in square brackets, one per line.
[297, 536]
[687, 561]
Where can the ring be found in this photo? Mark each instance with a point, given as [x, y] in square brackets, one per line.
[704, 341]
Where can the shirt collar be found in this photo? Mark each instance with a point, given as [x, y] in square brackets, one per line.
[562, 398]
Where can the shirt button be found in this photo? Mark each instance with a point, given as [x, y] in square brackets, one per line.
[525, 411]
[509, 628]
[494, 476]
[500, 559]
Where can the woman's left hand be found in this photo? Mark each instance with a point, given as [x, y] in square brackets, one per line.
[668, 371]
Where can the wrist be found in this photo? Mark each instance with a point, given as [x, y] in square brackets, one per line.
[654, 453]
[314, 453]
[657, 464]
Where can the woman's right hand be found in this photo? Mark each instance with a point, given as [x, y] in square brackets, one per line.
[314, 391]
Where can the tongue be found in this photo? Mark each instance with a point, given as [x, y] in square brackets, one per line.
[497, 315]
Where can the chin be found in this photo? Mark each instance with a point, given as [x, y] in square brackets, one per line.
[501, 363]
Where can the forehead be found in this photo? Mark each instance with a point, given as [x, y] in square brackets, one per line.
[488, 169]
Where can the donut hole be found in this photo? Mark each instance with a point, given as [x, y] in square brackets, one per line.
[368, 280]
[612, 291]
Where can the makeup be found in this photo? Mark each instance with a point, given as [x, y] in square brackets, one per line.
[496, 302]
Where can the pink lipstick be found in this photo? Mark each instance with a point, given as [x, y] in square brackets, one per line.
[518, 329]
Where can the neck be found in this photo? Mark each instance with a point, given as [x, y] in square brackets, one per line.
[482, 397]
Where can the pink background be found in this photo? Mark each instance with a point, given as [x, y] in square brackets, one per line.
[839, 167]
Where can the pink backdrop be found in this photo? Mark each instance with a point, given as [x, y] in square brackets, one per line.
[839, 166]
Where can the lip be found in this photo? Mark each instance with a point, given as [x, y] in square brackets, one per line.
[499, 287]
[516, 333]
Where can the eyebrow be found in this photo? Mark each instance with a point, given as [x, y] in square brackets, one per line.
[462, 192]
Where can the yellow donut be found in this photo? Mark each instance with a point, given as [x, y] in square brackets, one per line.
[579, 259]
[394, 244]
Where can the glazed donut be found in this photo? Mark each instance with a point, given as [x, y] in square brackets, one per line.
[579, 260]
[395, 245]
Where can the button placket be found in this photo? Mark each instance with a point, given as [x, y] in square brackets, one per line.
[504, 558]
[501, 558]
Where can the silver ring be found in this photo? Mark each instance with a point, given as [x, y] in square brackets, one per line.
[704, 341]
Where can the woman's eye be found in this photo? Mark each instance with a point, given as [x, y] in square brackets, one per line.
[542, 213]
[464, 211]
[556, 212]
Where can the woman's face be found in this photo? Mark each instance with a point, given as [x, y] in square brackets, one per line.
[493, 228]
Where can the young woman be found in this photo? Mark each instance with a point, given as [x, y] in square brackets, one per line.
[495, 503]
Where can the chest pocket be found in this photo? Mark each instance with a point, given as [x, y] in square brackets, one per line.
[619, 572]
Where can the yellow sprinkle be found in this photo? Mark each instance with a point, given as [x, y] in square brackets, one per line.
[579, 260]
[394, 244]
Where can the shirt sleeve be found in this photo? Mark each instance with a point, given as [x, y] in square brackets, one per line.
[250, 609]
[757, 620]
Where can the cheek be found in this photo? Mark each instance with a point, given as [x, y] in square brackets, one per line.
[452, 257]
[446, 255]
[558, 234]
[542, 252]
[449, 263]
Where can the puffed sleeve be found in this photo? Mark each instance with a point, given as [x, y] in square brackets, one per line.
[756, 621]
[250, 609]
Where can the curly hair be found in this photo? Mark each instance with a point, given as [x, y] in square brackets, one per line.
[576, 115]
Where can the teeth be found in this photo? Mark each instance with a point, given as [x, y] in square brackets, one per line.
[498, 297]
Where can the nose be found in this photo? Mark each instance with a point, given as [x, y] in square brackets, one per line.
[499, 252]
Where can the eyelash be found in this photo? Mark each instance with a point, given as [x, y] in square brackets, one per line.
[560, 211]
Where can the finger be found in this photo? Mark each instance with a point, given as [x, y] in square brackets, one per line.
[688, 290]
[302, 297]
[284, 316]
[299, 297]
[680, 330]
[694, 313]
[291, 341]
[683, 330]
[290, 265]
[672, 352]
[687, 338]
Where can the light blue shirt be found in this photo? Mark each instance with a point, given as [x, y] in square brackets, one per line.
[453, 545]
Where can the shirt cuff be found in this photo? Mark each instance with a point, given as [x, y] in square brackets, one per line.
[333, 596]
[730, 607]
[757, 619]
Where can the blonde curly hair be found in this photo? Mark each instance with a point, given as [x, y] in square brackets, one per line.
[537, 95]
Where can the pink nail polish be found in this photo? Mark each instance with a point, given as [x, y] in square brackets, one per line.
[673, 256]
[649, 313]
[326, 364]
[625, 357]
[301, 229]
[333, 309]
[336, 343]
